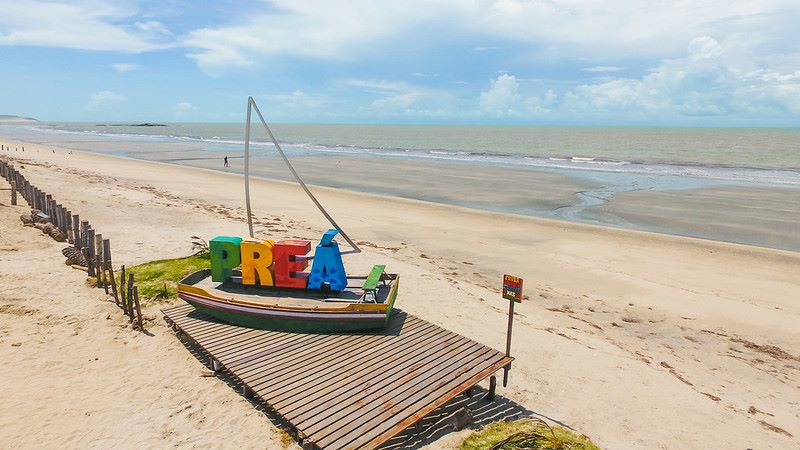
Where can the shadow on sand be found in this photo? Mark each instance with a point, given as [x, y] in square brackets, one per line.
[484, 412]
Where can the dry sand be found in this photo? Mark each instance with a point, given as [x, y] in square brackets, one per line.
[636, 339]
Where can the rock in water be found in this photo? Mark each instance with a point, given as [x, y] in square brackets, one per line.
[74, 256]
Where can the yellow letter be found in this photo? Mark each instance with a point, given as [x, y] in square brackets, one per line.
[256, 260]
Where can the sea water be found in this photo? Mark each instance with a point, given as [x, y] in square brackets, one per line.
[614, 159]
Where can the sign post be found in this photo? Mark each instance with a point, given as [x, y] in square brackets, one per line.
[512, 291]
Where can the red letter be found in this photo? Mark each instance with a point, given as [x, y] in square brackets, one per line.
[289, 263]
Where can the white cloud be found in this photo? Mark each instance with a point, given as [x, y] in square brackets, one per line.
[152, 26]
[124, 67]
[297, 100]
[183, 108]
[318, 29]
[539, 105]
[704, 47]
[396, 97]
[102, 97]
[343, 29]
[502, 98]
[602, 69]
[80, 24]
[712, 79]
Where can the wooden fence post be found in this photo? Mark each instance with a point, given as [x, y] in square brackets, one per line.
[62, 225]
[68, 220]
[113, 284]
[76, 234]
[13, 192]
[107, 266]
[138, 307]
[48, 199]
[98, 246]
[84, 227]
[90, 246]
[122, 290]
[130, 297]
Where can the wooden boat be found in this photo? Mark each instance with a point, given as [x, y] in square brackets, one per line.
[365, 304]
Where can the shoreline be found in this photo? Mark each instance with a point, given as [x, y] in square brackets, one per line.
[635, 318]
[559, 197]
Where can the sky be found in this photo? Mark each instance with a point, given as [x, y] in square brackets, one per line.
[605, 62]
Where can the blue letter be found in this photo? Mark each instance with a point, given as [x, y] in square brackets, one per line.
[328, 267]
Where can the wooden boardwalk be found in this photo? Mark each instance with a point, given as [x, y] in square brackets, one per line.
[354, 390]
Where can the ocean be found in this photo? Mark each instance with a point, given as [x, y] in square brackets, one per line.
[494, 167]
[748, 154]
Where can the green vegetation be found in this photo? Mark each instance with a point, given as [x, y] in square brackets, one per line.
[526, 434]
[152, 277]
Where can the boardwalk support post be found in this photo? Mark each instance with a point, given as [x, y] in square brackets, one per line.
[492, 388]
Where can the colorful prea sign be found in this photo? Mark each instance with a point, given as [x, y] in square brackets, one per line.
[512, 288]
[281, 264]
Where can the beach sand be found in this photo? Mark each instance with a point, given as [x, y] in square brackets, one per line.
[638, 340]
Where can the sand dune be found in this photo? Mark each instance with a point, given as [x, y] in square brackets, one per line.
[638, 340]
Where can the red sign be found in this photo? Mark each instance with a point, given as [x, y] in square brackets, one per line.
[512, 288]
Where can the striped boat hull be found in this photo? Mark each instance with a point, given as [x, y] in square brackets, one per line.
[356, 317]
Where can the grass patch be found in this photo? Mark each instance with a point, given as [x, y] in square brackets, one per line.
[286, 437]
[526, 434]
[151, 277]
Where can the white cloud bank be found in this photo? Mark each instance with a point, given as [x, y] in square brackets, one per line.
[78, 24]
[502, 97]
[103, 97]
[711, 79]
[341, 29]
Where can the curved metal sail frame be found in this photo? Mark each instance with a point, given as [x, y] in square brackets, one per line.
[251, 105]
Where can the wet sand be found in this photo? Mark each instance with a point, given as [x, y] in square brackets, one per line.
[768, 217]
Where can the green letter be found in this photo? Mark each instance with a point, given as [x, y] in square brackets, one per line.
[225, 256]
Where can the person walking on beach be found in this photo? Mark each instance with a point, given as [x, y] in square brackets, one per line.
[226, 161]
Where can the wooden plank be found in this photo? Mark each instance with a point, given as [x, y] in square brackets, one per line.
[325, 405]
[384, 409]
[252, 354]
[339, 363]
[295, 361]
[242, 356]
[356, 370]
[372, 397]
[390, 431]
[350, 350]
[222, 337]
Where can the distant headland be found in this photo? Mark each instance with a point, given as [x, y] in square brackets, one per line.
[15, 119]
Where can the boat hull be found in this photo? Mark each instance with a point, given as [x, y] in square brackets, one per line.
[354, 318]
